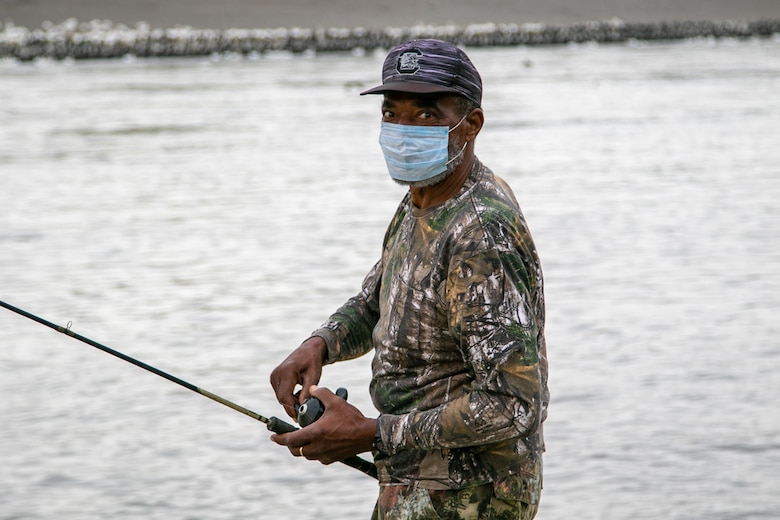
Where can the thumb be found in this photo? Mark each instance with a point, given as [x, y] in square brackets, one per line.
[323, 394]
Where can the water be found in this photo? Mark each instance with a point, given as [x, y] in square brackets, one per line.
[205, 215]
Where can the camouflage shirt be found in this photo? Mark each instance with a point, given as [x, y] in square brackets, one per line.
[454, 311]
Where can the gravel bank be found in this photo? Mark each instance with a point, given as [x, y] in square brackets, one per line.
[103, 39]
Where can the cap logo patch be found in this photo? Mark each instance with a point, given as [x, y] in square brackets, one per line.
[409, 62]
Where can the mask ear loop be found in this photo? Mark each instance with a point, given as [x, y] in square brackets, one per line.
[459, 122]
[459, 153]
[464, 144]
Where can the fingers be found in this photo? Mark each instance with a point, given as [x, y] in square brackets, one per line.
[307, 451]
[283, 386]
[306, 385]
[296, 443]
[302, 367]
[284, 380]
[299, 451]
[284, 394]
[296, 449]
[323, 394]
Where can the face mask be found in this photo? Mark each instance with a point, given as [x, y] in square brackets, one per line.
[416, 153]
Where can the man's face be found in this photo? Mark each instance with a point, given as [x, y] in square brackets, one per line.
[420, 109]
[427, 110]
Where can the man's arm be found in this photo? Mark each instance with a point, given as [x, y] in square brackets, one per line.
[348, 332]
[346, 335]
[342, 431]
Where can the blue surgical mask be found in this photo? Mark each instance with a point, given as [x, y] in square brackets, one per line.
[416, 153]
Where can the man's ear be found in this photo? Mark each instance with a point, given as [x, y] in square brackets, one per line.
[475, 121]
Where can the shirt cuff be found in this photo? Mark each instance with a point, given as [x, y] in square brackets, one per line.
[391, 430]
[331, 342]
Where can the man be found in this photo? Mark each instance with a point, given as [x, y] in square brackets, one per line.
[453, 310]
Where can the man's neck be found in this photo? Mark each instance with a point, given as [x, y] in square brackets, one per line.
[429, 196]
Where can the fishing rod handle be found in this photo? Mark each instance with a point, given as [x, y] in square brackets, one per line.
[277, 425]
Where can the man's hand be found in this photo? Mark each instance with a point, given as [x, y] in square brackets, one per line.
[302, 367]
[341, 432]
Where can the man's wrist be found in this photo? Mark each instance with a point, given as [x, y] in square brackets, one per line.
[320, 345]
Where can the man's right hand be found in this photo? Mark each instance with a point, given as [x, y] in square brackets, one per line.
[302, 367]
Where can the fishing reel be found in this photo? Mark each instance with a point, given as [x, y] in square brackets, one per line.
[312, 408]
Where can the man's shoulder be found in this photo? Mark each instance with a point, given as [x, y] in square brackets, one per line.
[493, 199]
[490, 185]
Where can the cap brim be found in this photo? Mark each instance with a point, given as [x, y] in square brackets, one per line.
[414, 87]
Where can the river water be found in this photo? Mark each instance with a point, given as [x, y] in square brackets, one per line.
[204, 215]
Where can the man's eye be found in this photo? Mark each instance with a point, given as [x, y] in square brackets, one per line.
[387, 114]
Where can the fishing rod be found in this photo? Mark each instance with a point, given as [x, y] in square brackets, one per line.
[274, 424]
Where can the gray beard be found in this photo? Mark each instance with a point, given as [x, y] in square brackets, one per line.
[454, 158]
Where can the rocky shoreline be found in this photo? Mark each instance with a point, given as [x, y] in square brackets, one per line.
[104, 40]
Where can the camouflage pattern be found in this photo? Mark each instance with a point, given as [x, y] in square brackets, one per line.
[454, 311]
[403, 502]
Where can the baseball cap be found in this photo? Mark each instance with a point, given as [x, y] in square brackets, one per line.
[429, 66]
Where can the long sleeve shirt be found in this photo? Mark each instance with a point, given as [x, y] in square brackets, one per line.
[454, 312]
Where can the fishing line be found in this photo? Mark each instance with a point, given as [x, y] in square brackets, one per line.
[274, 424]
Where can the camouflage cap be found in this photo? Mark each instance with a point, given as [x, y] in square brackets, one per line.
[429, 66]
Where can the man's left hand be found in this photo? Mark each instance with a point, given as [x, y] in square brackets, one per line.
[341, 432]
